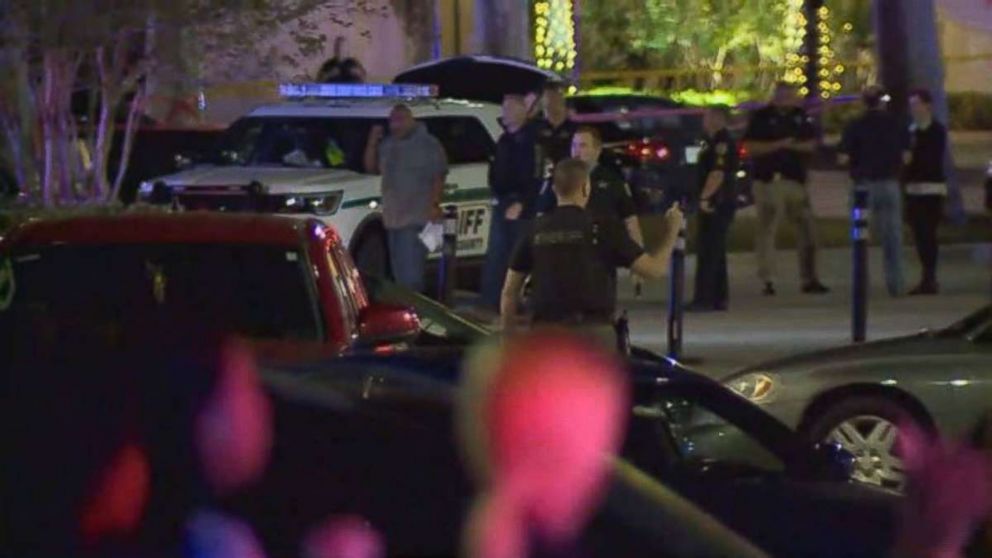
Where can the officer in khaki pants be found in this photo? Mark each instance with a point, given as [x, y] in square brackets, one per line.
[780, 137]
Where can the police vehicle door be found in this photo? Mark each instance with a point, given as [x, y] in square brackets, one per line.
[469, 146]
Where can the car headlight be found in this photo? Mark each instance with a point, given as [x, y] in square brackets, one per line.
[756, 387]
[323, 203]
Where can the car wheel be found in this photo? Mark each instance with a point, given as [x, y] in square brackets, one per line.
[868, 428]
[372, 254]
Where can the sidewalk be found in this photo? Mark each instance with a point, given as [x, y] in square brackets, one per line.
[758, 328]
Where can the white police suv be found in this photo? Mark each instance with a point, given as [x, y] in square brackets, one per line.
[304, 157]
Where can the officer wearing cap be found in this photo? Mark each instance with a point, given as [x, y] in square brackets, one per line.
[780, 137]
[571, 256]
[718, 164]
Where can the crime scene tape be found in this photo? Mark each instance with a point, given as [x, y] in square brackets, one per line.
[812, 107]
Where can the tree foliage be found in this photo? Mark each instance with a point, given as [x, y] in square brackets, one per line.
[711, 36]
[75, 73]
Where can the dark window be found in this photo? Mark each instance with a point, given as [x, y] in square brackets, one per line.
[464, 138]
[316, 142]
[257, 291]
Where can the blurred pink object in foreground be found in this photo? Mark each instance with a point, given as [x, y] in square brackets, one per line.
[549, 410]
[234, 429]
[948, 494]
[344, 537]
[214, 535]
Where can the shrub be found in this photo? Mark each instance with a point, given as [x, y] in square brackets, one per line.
[970, 110]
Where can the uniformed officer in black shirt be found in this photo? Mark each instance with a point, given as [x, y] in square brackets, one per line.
[718, 164]
[554, 130]
[515, 182]
[780, 138]
[926, 186]
[571, 255]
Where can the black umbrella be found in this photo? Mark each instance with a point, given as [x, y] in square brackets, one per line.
[479, 78]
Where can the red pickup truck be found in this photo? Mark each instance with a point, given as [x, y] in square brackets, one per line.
[287, 285]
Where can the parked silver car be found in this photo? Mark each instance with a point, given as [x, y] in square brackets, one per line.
[858, 395]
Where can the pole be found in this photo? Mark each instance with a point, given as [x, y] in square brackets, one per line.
[676, 282]
[860, 217]
[449, 256]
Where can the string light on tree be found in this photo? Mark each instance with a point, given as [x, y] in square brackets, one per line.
[554, 35]
[795, 37]
[830, 72]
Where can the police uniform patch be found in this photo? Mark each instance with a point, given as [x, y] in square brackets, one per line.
[721, 148]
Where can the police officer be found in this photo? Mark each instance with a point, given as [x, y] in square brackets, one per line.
[718, 163]
[554, 130]
[571, 256]
[609, 193]
[515, 182]
[780, 137]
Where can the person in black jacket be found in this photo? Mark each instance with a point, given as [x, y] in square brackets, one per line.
[926, 186]
[515, 182]
[874, 147]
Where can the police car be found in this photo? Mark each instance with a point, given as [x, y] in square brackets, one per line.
[304, 156]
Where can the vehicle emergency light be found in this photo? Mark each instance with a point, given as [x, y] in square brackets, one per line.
[356, 90]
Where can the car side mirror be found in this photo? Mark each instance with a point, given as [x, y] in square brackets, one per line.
[380, 324]
[837, 462]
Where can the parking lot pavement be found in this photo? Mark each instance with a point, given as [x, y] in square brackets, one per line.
[758, 328]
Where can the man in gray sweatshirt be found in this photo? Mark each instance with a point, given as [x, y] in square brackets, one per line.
[413, 166]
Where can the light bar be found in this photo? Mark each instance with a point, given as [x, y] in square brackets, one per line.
[356, 90]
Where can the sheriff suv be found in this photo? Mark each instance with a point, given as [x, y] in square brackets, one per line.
[286, 285]
[304, 157]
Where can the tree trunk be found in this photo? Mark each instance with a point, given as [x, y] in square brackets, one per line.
[503, 28]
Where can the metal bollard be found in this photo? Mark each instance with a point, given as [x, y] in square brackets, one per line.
[449, 256]
[676, 290]
[860, 216]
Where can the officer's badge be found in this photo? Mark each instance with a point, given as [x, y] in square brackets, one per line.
[602, 184]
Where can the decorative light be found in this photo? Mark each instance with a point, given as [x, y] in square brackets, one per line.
[554, 35]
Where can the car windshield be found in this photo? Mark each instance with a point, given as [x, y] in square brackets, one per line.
[305, 142]
[706, 423]
[259, 292]
[973, 322]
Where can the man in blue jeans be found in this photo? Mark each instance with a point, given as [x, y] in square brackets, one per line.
[413, 167]
[515, 182]
[876, 146]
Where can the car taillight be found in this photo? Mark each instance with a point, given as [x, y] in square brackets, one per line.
[648, 150]
[742, 152]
